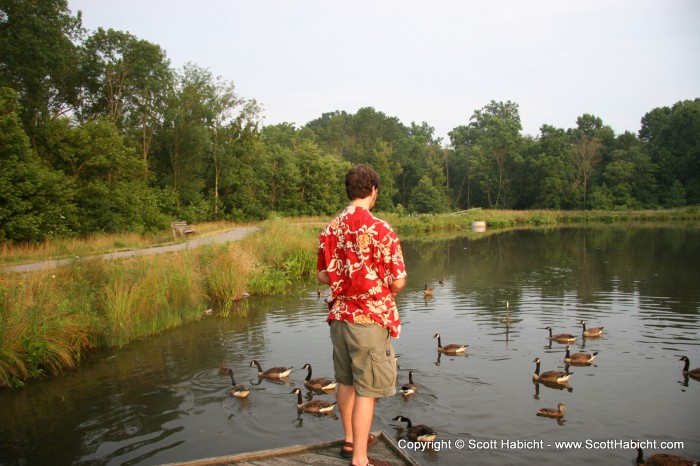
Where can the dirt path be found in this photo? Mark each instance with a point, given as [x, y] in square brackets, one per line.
[231, 235]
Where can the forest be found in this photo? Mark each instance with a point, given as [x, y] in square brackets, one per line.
[99, 133]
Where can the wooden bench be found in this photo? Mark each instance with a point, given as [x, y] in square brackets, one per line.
[181, 228]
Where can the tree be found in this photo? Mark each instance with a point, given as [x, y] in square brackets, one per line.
[492, 141]
[39, 59]
[547, 172]
[585, 156]
[127, 80]
[186, 137]
[427, 198]
[35, 201]
[672, 140]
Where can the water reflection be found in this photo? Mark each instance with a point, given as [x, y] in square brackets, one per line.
[165, 399]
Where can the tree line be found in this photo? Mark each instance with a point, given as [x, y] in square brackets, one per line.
[99, 133]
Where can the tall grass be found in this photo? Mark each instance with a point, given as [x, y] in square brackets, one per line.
[49, 320]
[40, 332]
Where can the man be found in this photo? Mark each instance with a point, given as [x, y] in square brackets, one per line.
[360, 257]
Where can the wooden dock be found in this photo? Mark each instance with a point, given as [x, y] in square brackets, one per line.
[314, 454]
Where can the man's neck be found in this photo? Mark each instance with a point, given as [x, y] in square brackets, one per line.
[365, 203]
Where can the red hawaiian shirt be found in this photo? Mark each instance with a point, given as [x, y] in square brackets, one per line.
[362, 256]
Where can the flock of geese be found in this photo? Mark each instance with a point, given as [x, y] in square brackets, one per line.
[560, 378]
[424, 433]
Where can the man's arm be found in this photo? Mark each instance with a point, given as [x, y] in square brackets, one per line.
[397, 285]
[323, 277]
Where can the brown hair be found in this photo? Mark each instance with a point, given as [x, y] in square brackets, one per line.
[359, 182]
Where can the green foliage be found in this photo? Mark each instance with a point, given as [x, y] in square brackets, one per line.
[35, 201]
[427, 198]
[140, 144]
[39, 58]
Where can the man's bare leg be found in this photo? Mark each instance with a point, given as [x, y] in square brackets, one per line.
[362, 415]
[346, 403]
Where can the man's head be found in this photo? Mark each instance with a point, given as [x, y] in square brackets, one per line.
[361, 182]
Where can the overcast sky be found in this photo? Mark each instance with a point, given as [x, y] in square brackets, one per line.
[431, 61]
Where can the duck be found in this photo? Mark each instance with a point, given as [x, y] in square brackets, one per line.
[238, 391]
[579, 358]
[419, 432]
[441, 281]
[313, 406]
[427, 291]
[452, 348]
[317, 383]
[222, 369]
[664, 459]
[591, 332]
[273, 372]
[694, 373]
[561, 337]
[409, 388]
[551, 412]
[549, 376]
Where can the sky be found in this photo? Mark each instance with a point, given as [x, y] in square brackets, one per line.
[435, 62]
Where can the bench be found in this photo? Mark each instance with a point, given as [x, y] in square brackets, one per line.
[181, 228]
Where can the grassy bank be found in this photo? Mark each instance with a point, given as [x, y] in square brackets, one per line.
[499, 219]
[50, 319]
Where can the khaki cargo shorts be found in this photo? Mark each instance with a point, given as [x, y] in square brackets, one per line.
[364, 358]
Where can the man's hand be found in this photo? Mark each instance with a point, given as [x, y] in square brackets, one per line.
[323, 277]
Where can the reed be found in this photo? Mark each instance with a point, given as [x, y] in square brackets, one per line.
[228, 273]
[287, 246]
[41, 333]
[142, 297]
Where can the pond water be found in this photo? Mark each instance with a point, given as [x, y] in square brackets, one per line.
[163, 400]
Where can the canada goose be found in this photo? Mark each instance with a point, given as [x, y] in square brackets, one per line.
[417, 433]
[313, 406]
[318, 383]
[578, 358]
[273, 372]
[427, 291]
[238, 391]
[561, 337]
[694, 373]
[551, 412]
[549, 376]
[664, 459]
[452, 348]
[408, 388]
[591, 332]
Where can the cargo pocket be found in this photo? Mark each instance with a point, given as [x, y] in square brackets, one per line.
[383, 368]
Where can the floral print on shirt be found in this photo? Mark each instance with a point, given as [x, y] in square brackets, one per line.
[362, 256]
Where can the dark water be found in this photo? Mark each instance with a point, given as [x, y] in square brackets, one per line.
[163, 400]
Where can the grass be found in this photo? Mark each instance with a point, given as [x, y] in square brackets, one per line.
[49, 320]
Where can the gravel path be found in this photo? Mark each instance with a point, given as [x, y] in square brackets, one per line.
[231, 235]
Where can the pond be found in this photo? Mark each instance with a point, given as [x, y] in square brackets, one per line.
[163, 400]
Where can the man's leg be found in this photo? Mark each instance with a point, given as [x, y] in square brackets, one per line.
[362, 415]
[346, 403]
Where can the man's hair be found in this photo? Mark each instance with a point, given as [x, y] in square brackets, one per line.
[359, 182]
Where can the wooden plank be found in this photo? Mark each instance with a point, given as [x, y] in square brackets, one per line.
[314, 454]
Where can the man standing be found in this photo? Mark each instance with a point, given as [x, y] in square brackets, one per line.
[360, 257]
